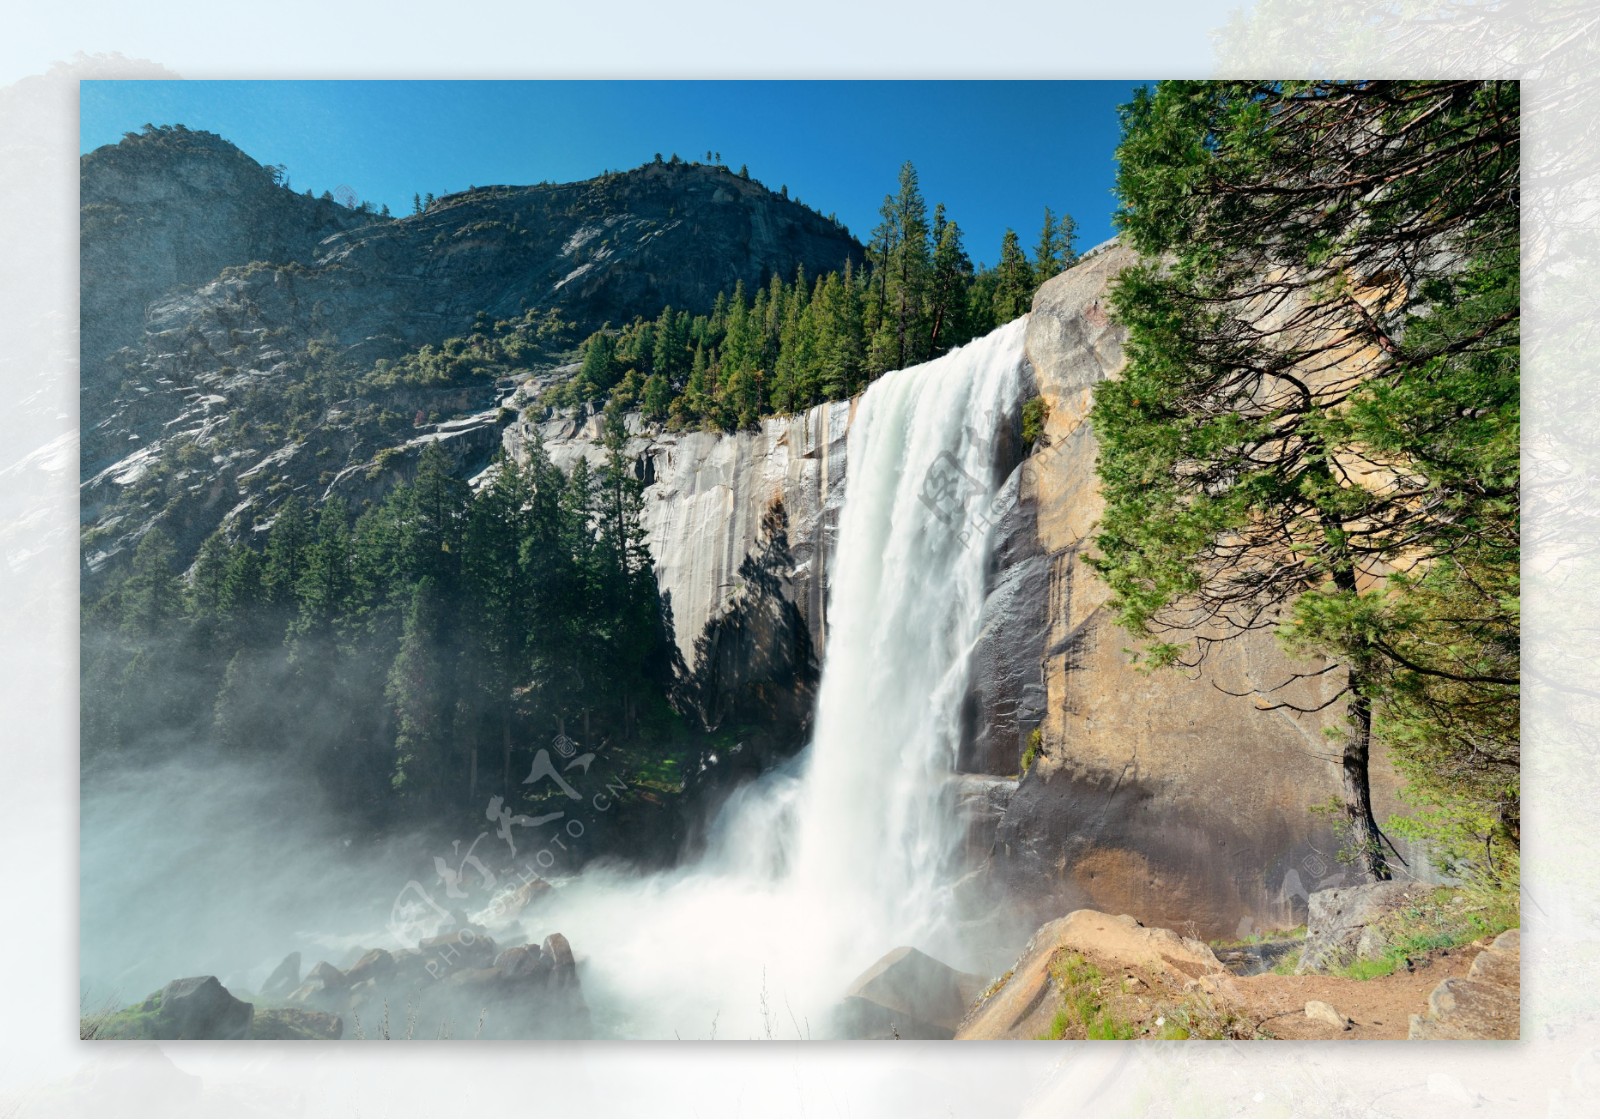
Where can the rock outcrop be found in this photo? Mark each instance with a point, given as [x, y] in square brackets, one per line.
[1486, 1004]
[212, 293]
[198, 1007]
[1025, 1000]
[1342, 925]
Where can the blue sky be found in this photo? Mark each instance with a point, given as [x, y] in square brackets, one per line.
[996, 153]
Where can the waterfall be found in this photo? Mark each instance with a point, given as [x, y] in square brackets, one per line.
[824, 865]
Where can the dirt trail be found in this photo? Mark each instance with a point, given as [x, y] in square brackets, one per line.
[1380, 1008]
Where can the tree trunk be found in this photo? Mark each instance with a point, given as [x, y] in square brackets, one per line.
[1364, 833]
[505, 747]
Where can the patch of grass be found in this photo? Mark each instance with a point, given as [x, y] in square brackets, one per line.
[1084, 1007]
[1447, 918]
[1260, 937]
[997, 985]
[1198, 1017]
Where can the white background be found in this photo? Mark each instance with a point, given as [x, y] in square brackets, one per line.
[44, 1070]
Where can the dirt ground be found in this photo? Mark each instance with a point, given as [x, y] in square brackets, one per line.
[1381, 1008]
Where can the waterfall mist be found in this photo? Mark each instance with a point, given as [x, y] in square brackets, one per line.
[810, 873]
[819, 868]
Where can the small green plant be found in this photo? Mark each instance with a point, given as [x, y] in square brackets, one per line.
[1034, 414]
[1031, 752]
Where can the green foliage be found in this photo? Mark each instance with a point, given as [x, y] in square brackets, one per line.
[491, 350]
[1031, 751]
[430, 647]
[1035, 413]
[1318, 424]
[798, 341]
[1447, 919]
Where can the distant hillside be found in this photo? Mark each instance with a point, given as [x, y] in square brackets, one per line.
[228, 319]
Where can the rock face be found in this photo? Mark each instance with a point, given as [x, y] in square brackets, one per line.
[1154, 793]
[285, 978]
[907, 994]
[1485, 1004]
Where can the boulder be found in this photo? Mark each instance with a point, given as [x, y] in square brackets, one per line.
[197, 1007]
[1338, 922]
[292, 1024]
[1318, 1011]
[524, 962]
[377, 964]
[462, 948]
[563, 968]
[327, 978]
[1017, 1006]
[906, 994]
[1484, 1004]
[510, 904]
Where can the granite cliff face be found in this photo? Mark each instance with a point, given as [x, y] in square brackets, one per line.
[1155, 794]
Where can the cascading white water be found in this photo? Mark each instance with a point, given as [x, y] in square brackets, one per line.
[818, 869]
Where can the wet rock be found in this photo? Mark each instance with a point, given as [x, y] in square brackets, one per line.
[524, 962]
[462, 948]
[193, 1008]
[327, 978]
[563, 968]
[376, 964]
[906, 994]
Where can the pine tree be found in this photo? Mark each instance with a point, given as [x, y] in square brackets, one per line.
[1014, 283]
[952, 274]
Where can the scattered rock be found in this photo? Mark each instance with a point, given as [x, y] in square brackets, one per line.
[462, 948]
[907, 994]
[1337, 920]
[327, 978]
[285, 978]
[1324, 1013]
[374, 965]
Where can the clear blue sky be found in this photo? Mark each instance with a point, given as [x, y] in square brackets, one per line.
[996, 153]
